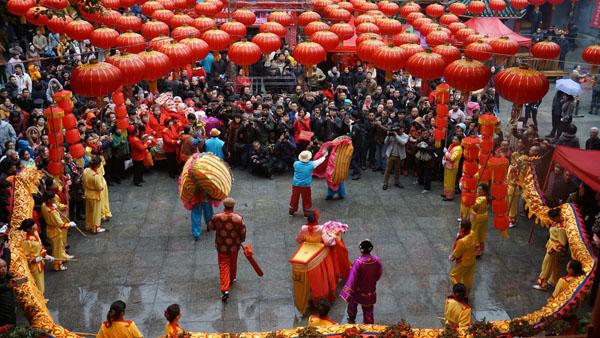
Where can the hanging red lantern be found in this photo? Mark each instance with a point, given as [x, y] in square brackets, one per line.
[244, 53]
[37, 15]
[58, 24]
[364, 18]
[426, 65]
[118, 98]
[309, 53]
[480, 51]
[313, 27]
[56, 153]
[411, 49]
[167, 4]
[367, 27]
[339, 15]
[152, 29]
[159, 41]
[109, 18]
[19, 7]
[437, 37]
[467, 75]
[346, 5]
[448, 52]
[206, 8]
[268, 42]
[95, 79]
[404, 38]
[55, 168]
[64, 99]
[131, 65]
[521, 85]
[434, 10]
[72, 136]
[122, 124]
[591, 54]
[468, 198]
[203, 23]
[366, 50]
[497, 5]
[163, 15]
[121, 111]
[417, 23]
[179, 54]
[463, 33]
[219, 3]
[368, 7]
[77, 150]
[501, 223]
[217, 39]
[180, 4]
[247, 17]
[79, 30]
[390, 58]
[427, 28]
[456, 26]
[280, 17]
[476, 7]
[307, 17]
[183, 32]
[367, 36]
[469, 183]
[487, 123]
[388, 8]
[409, 8]
[498, 190]
[54, 112]
[389, 26]
[546, 50]
[131, 42]
[54, 4]
[274, 27]
[328, 40]
[56, 138]
[236, 30]
[104, 37]
[499, 206]
[321, 4]
[499, 167]
[129, 23]
[519, 4]
[149, 7]
[180, 19]
[198, 47]
[504, 46]
[89, 14]
[457, 8]
[448, 18]
[343, 30]
[69, 121]
[486, 146]
[537, 2]
[470, 168]
[476, 38]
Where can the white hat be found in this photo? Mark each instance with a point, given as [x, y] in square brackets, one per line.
[305, 156]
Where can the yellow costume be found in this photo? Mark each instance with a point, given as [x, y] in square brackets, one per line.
[56, 228]
[92, 188]
[452, 160]
[32, 248]
[551, 263]
[513, 192]
[119, 329]
[479, 219]
[464, 253]
[318, 321]
[172, 330]
[457, 314]
[104, 202]
[562, 285]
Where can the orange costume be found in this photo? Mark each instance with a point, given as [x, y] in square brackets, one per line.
[320, 321]
[457, 314]
[172, 330]
[119, 329]
[230, 234]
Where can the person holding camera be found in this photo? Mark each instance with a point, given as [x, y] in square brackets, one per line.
[260, 161]
[395, 151]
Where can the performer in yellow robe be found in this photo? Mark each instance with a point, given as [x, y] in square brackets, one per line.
[464, 257]
[115, 326]
[104, 201]
[56, 228]
[451, 162]
[92, 188]
[513, 192]
[173, 315]
[574, 270]
[554, 249]
[457, 313]
[34, 252]
[322, 316]
[479, 217]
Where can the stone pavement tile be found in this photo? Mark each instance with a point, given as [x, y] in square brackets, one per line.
[147, 259]
[123, 230]
[172, 291]
[241, 309]
[246, 325]
[142, 275]
[180, 258]
[153, 244]
[152, 329]
[427, 321]
[276, 289]
[120, 244]
[210, 326]
[268, 323]
[181, 243]
[181, 274]
[91, 246]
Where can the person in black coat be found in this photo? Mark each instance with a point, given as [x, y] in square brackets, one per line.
[261, 163]
[8, 302]
[593, 143]
[357, 134]
[557, 103]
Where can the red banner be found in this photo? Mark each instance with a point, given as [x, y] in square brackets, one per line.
[595, 22]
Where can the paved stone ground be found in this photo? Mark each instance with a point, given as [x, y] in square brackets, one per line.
[149, 260]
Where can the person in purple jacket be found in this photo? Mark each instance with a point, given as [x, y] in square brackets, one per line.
[361, 284]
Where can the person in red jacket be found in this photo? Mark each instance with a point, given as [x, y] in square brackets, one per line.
[170, 143]
[302, 123]
[138, 155]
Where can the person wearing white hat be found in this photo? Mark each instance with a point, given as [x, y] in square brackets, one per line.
[303, 170]
[214, 144]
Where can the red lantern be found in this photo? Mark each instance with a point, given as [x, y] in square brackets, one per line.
[388, 8]
[159, 41]
[79, 30]
[58, 24]
[457, 8]
[236, 30]
[163, 15]
[448, 18]
[519, 4]
[247, 17]
[470, 146]
[434, 10]
[339, 15]
[313, 27]
[198, 47]
[122, 124]
[476, 38]
[547, 50]
[367, 27]
[153, 29]
[307, 17]
[69, 121]
[321, 4]
[498, 190]
[109, 18]
[426, 65]
[503, 46]
[131, 42]
[417, 23]
[364, 18]
[268, 42]
[404, 38]
[104, 37]
[183, 32]
[343, 30]
[55, 168]
[56, 138]
[389, 26]
[476, 7]
[456, 26]
[366, 50]
[437, 37]
[497, 5]
[217, 39]
[206, 8]
[220, 5]
[203, 23]
[131, 65]
[521, 85]
[448, 52]
[37, 15]
[480, 51]
[129, 23]
[72, 136]
[499, 167]
[309, 53]
[118, 98]
[390, 58]
[411, 49]
[64, 99]
[274, 27]
[179, 20]
[499, 206]
[537, 2]
[149, 7]
[95, 79]
[328, 40]
[347, 5]
[469, 183]
[439, 134]
[501, 222]
[157, 64]
[408, 8]
[282, 18]
[367, 36]
[486, 146]
[179, 54]
[77, 150]
[591, 54]
[468, 198]
[244, 53]
[56, 153]
[470, 168]
[427, 28]
[19, 7]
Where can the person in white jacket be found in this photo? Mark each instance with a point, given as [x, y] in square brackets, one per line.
[395, 152]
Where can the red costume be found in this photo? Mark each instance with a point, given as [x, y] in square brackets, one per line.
[230, 234]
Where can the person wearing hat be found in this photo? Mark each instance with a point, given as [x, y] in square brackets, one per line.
[56, 229]
[34, 252]
[230, 234]
[361, 284]
[170, 143]
[303, 170]
[214, 144]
